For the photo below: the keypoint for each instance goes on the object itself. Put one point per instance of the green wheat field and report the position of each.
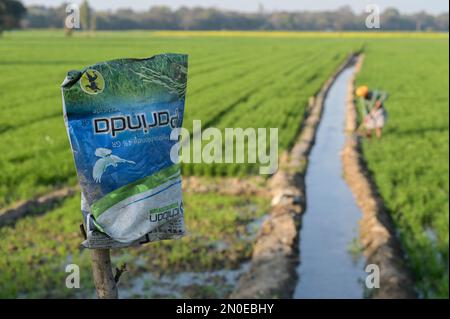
(235, 79)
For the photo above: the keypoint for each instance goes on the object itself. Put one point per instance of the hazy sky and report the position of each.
(431, 6)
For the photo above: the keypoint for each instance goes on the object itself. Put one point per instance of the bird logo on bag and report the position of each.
(92, 82)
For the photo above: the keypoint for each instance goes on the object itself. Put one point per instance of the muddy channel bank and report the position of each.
(272, 271)
(378, 237)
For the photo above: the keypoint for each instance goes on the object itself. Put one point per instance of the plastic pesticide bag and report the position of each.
(119, 116)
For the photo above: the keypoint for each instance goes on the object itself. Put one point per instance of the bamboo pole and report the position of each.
(105, 283)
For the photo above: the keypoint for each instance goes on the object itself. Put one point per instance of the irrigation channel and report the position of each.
(330, 263)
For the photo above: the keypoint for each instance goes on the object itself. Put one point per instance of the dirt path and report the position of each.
(255, 186)
(377, 233)
(272, 273)
(37, 206)
(252, 186)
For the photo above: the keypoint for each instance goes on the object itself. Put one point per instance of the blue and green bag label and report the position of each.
(119, 116)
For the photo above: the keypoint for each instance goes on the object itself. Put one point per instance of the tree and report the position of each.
(2, 12)
(344, 19)
(442, 21)
(11, 11)
(198, 18)
(93, 26)
(85, 15)
(261, 10)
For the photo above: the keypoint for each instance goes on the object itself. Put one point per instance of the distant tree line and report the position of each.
(164, 18)
(11, 12)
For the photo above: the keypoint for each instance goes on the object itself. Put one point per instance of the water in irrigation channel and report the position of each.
(330, 264)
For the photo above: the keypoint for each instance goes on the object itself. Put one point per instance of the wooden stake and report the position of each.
(105, 283)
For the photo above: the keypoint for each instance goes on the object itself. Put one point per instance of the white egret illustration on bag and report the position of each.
(106, 160)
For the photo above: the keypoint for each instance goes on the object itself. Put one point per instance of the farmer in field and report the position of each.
(374, 114)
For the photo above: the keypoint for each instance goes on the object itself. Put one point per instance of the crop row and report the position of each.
(237, 80)
(410, 164)
(36, 250)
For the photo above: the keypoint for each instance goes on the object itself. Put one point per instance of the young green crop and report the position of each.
(254, 80)
(410, 164)
(235, 82)
(35, 251)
